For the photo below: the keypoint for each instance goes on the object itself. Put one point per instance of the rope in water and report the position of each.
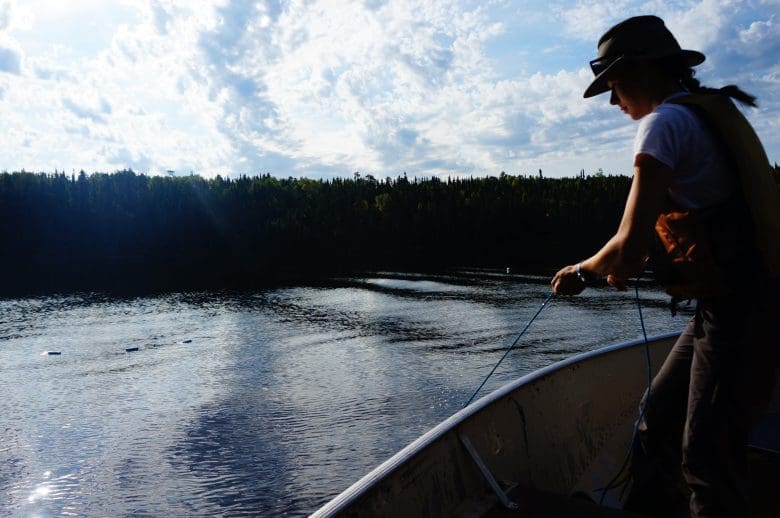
(550, 296)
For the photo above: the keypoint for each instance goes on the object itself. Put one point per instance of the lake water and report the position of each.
(266, 403)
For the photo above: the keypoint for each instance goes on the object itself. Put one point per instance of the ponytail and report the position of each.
(680, 71)
(692, 85)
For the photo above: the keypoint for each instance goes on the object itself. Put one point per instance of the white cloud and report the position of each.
(11, 53)
(10, 56)
(338, 83)
(328, 87)
(700, 26)
(589, 19)
(124, 106)
(760, 34)
(14, 16)
(5, 15)
(94, 114)
(696, 25)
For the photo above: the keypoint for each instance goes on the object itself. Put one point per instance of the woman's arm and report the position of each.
(623, 256)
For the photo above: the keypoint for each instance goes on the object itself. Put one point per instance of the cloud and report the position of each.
(11, 53)
(588, 20)
(759, 43)
(311, 88)
(5, 15)
(700, 26)
(161, 15)
(136, 95)
(96, 114)
(46, 73)
(10, 60)
(348, 85)
(696, 25)
(124, 158)
(14, 16)
(760, 32)
(81, 130)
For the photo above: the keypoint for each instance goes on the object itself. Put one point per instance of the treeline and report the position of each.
(131, 231)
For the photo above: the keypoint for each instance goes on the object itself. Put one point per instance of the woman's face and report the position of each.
(633, 86)
(629, 93)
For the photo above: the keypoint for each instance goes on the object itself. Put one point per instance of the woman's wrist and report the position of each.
(582, 274)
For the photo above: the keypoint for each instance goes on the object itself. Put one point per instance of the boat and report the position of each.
(546, 444)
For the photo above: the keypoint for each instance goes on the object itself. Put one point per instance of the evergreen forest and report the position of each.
(129, 232)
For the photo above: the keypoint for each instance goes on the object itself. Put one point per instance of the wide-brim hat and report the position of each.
(635, 39)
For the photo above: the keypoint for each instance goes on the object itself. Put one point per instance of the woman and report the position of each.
(702, 182)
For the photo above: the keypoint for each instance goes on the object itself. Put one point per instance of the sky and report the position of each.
(323, 89)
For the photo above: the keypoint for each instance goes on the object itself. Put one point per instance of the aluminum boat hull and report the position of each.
(563, 430)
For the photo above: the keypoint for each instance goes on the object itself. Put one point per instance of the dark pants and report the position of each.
(710, 392)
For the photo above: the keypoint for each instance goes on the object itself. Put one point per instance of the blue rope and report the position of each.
(550, 296)
(642, 412)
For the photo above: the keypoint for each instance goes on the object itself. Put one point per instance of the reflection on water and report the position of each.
(267, 403)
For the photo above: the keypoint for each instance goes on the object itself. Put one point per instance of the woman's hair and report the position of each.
(676, 68)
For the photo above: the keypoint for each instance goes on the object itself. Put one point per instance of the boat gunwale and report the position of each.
(361, 486)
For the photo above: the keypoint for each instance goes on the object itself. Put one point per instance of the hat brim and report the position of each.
(599, 83)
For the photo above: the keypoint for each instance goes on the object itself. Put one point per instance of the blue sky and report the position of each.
(325, 88)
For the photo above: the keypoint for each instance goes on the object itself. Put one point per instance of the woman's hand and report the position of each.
(567, 282)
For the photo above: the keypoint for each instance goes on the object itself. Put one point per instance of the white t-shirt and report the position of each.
(676, 137)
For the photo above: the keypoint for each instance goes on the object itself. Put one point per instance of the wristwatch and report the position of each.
(581, 275)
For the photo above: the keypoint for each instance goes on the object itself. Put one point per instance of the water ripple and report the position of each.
(267, 403)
